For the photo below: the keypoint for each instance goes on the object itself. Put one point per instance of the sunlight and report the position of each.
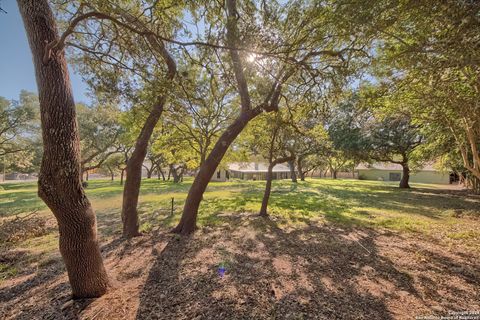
(252, 57)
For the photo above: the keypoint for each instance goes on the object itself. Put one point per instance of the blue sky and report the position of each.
(16, 67)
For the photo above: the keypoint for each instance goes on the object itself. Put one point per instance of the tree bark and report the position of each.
(300, 168)
(134, 172)
(59, 181)
(112, 174)
(266, 193)
(293, 174)
(268, 185)
(188, 221)
(134, 164)
(405, 176)
(160, 171)
(176, 176)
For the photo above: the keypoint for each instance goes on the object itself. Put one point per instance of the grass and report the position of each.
(428, 210)
(7, 271)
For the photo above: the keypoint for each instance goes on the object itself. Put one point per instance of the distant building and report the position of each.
(251, 171)
(221, 175)
(393, 172)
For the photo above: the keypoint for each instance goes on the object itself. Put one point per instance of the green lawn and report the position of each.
(429, 210)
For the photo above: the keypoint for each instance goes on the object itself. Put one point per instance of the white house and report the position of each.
(251, 171)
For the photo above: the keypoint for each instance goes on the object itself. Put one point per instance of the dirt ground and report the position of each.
(317, 272)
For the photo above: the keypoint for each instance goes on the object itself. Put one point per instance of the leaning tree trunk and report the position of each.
(134, 164)
(188, 221)
(59, 181)
(293, 174)
(266, 193)
(405, 176)
(134, 172)
(268, 185)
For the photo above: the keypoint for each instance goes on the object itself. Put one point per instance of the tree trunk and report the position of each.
(112, 174)
(59, 181)
(293, 174)
(188, 221)
(266, 193)
(475, 185)
(121, 177)
(86, 175)
(162, 173)
(169, 173)
(334, 174)
(134, 172)
(175, 174)
(134, 164)
(149, 174)
(300, 169)
(405, 176)
(268, 185)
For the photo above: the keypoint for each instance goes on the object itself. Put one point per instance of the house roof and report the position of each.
(387, 166)
(254, 167)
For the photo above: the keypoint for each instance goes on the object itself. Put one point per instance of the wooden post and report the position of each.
(172, 206)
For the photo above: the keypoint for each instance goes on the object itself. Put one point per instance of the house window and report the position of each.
(395, 176)
(218, 174)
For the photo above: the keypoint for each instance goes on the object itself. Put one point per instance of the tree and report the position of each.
(395, 139)
(259, 86)
(100, 131)
(187, 222)
(59, 183)
(336, 161)
(20, 136)
(428, 62)
(346, 131)
(120, 45)
(308, 140)
(269, 137)
(15, 119)
(115, 164)
(201, 109)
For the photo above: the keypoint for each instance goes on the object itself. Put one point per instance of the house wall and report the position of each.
(259, 175)
(219, 175)
(420, 176)
(430, 177)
